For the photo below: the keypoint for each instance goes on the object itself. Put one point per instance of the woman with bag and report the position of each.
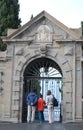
(49, 102)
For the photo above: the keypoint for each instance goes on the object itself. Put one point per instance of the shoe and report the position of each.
(32, 121)
(50, 122)
(28, 121)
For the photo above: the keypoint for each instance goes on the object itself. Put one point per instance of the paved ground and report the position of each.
(43, 126)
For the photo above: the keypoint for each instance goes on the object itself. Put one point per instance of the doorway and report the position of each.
(43, 74)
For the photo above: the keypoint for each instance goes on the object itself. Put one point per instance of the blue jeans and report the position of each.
(41, 116)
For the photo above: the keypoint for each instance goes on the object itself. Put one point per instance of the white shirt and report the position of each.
(49, 100)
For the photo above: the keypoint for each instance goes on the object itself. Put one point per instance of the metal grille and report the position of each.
(43, 67)
(39, 73)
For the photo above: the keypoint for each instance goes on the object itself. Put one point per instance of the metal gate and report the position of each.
(42, 85)
(43, 74)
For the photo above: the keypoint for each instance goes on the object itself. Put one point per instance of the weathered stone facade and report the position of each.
(43, 36)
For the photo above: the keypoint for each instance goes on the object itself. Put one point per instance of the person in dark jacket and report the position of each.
(32, 99)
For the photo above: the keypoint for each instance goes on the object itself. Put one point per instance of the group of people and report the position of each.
(38, 103)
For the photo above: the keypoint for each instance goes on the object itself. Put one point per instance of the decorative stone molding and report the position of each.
(3, 55)
(68, 51)
(43, 34)
(19, 52)
(43, 50)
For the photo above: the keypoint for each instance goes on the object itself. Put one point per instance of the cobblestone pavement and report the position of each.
(43, 126)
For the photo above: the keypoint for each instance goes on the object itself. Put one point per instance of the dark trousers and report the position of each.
(41, 116)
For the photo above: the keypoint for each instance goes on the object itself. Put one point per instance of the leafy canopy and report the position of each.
(9, 15)
(9, 18)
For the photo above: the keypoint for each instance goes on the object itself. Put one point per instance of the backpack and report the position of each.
(55, 102)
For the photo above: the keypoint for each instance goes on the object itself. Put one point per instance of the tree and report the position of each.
(31, 17)
(9, 15)
(82, 27)
(3, 45)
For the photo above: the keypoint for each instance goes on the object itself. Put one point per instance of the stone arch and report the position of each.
(67, 82)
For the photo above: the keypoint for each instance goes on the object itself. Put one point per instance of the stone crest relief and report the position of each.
(43, 50)
(43, 34)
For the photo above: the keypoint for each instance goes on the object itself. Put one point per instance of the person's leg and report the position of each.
(42, 116)
(39, 115)
(28, 113)
(50, 114)
(33, 113)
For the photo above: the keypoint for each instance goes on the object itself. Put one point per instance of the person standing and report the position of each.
(40, 107)
(32, 99)
(49, 102)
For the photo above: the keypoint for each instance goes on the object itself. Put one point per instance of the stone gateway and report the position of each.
(45, 54)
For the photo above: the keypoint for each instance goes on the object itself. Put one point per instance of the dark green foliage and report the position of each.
(9, 15)
(82, 27)
(3, 45)
(31, 17)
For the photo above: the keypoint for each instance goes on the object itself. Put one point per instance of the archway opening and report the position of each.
(43, 74)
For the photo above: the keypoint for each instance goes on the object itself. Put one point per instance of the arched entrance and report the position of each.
(43, 74)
